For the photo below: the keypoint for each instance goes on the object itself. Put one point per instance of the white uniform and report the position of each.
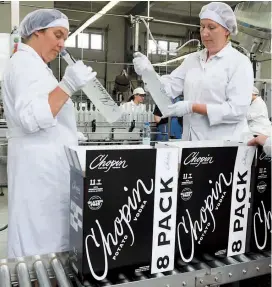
(38, 171)
(267, 146)
(224, 83)
(131, 106)
(257, 117)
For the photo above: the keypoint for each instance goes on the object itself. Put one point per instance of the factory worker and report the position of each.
(40, 118)
(217, 82)
(135, 101)
(264, 141)
(257, 115)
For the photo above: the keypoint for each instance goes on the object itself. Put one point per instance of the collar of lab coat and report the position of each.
(27, 48)
(220, 54)
(132, 102)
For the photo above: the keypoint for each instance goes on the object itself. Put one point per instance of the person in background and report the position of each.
(257, 115)
(1, 111)
(41, 121)
(163, 126)
(136, 100)
(264, 141)
(216, 82)
(121, 87)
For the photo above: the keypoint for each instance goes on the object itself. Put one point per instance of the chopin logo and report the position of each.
(194, 159)
(261, 186)
(102, 162)
(264, 156)
(95, 202)
(122, 228)
(186, 194)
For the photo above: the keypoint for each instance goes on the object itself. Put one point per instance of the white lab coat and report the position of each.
(38, 170)
(267, 146)
(257, 116)
(224, 83)
(132, 107)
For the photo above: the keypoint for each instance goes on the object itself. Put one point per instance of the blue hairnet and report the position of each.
(42, 19)
(222, 14)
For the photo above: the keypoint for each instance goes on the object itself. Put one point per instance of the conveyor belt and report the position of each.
(201, 272)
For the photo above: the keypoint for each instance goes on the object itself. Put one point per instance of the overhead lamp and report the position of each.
(95, 17)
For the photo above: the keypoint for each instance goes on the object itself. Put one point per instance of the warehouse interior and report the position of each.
(167, 33)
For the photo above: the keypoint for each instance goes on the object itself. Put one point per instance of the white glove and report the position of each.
(81, 137)
(179, 109)
(141, 63)
(76, 76)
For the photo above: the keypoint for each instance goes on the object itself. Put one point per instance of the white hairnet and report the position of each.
(220, 13)
(255, 91)
(42, 19)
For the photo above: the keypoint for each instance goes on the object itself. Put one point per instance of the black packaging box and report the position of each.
(213, 198)
(213, 201)
(123, 210)
(261, 219)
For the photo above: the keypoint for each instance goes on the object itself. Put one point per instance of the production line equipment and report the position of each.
(206, 271)
(128, 128)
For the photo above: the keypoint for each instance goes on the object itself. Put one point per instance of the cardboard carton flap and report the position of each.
(191, 144)
(77, 154)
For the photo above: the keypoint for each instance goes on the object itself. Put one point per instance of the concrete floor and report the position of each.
(3, 222)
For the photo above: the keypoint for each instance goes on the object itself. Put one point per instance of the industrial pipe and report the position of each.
(5, 276)
(41, 273)
(62, 279)
(23, 275)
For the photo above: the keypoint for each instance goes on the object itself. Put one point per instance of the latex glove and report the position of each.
(76, 76)
(141, 63)
(179, 109)
(81, 137)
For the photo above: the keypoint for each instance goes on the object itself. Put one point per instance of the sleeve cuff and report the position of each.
(267, 146)
(64, 87)
(214, 114)
(42, 113)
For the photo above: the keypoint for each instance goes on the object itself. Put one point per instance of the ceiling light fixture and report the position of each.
(95, 17)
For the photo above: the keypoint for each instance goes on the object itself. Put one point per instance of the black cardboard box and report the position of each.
(213, 201)
(261, 219)
(123, 210)
(213, 198)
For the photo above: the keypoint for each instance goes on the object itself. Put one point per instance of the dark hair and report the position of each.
(131, 98)
(26, 40)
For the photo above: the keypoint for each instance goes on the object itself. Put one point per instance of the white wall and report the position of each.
(5, 12)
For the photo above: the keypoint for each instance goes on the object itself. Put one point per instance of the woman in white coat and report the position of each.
(216, 82)
(257, 116)
(40, 119)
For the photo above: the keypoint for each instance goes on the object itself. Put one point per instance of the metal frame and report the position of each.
(201, 274)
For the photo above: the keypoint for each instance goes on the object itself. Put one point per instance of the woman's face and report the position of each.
(51, 42)
(213, 35)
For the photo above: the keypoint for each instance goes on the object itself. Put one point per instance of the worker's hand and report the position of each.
(141, 63)
(76, 76)
(259, 140)
(179, 109)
